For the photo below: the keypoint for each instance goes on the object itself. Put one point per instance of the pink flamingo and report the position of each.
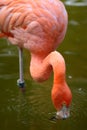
(40, 26)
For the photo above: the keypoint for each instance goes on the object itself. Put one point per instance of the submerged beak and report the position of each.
(64, 113)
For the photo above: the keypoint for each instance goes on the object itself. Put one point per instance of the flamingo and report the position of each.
(40, 26)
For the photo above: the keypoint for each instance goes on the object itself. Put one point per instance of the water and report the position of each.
(32, 110)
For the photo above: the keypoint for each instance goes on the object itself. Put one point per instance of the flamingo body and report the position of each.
(39, 26)
(46, 27)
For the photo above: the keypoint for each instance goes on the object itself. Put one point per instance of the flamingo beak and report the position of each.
(64, 113)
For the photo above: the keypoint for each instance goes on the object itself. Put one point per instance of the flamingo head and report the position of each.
(62, 98)
(63, 108)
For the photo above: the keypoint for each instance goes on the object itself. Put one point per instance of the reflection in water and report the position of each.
(32, 110)
(74, 23)
(76, 2)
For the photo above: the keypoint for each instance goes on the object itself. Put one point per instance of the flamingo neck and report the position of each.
(41, 67)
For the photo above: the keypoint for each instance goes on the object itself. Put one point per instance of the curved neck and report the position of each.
(42, 66)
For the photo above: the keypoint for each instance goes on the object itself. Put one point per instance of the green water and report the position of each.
(32, 110)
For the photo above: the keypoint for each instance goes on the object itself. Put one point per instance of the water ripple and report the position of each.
(8, 76)
(79, 104)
